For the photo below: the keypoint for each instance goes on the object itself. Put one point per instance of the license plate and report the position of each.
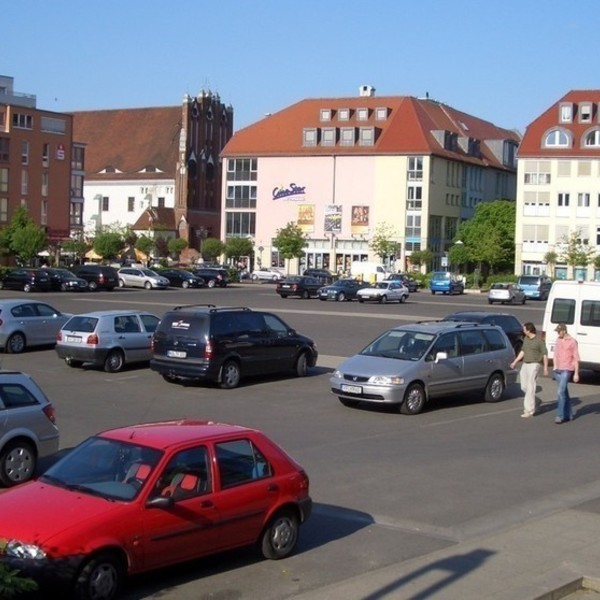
(286, 286)
(176, 354)
(73, 340)
(352, 389)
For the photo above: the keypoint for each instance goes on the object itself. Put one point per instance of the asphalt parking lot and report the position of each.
(387, 488)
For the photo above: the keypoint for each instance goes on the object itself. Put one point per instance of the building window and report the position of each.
(366, 136)
(537, 178)
(241, 196)
(161, 202)
(46, 155)
(328, 136)
(557, 138)
(76, 186)
(362, 114)
(76, 214)
(130, 204)
(44, 212)
(24, 152)
(583, 200)
(592, 138)
(4, 149)
(344, 114)
(77, 158)
(509, 154)
(21, 121)
(52, 125)
(240, 224)
(585, 112)
(24, 182)
(104, 203)
(242, 169)
(325, 114)
(310, 136)
(415, 168)
(381, 113)
(563, 199)
(44, 184)
(565, 114)
(413, 226)
(347, 136)
(3, 210)
(414, 197)
(3, 181)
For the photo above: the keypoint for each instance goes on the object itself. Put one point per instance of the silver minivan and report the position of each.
(107, 338)
(410, 364)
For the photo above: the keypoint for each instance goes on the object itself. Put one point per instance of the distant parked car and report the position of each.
(446, 283)
(384, 291)
(65, 280)
(342, 289)
(142, 278)
(25, 323)
(300, 286)
(269, 274)
(182, 278)
(214, 277)
(536, 287)
(506, 293)
(324, 276)
(99, 277)
(107, 338)
(406, 280)
(26, 280)
(27, 427)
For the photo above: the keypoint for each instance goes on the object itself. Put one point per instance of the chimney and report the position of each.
(367, 91)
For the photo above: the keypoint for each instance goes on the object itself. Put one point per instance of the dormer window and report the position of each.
(367, 136)
(565, 114)
(344, 114)
(592, 139)
(381, 113)
(347, 136)
(585, 112)
(309, 136)
(362, 114)
(557, 138)
(325, 114)
(328, 136)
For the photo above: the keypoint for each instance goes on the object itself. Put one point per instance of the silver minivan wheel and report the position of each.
(494, 388)
(414, 400)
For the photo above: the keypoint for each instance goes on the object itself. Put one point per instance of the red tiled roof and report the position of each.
(408, 129)
(156, 218)
(129, 140)
(532, 144)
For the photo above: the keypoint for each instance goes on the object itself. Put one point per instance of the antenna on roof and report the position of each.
(426, 95)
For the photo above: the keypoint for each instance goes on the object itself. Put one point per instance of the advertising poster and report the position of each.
(306, 217)
(333, 218)
(360, 219)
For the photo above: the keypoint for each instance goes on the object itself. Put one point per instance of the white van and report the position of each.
(577, 305)
(368, 271)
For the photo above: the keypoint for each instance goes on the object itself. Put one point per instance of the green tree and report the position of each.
(421, 257)
(176, 246)
(489, 237)
(383, 241)
(576, 251)
(108, 244)
(162, 246)
(235, 248)
(144, 244)
(551, 258)
(19, 220)
(28, 241)
(76, 247)
(212, 248)
(290, 241)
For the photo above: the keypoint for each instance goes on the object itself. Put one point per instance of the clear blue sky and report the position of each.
(503, 61)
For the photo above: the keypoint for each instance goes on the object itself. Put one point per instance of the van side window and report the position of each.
(495, 339)
(590, 313)
(472, 342)
(563, 311)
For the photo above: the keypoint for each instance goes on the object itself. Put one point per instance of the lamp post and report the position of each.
(98, 198)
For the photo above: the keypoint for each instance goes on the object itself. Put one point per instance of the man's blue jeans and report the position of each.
(563, 410)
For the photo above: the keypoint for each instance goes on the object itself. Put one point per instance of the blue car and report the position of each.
(446, 283)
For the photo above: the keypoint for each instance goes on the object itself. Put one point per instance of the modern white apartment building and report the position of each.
(558, 189)
(340, 167)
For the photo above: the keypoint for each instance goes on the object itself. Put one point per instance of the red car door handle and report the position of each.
(273, 488)
(207, 504)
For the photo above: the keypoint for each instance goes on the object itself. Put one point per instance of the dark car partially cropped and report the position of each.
(99, 277)
(27, 280)
(406, 280)
(324, 276)
(341, 290)
(507, 322)
(65, 280)
(299, 286)
(182, 278)
(214, 277)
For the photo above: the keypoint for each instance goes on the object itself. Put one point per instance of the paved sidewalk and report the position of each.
(542, 559)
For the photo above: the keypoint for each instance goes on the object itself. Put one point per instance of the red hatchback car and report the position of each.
(146, 496)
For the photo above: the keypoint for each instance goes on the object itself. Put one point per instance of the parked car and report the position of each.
(267, 274)
(26, 323)
(28, 428)
(107, 338)
(406, 280)
(99, 277)
(341, 290)
(142, 278)
(146, 496)
(506, 293)
(214, 277)
(324, 276)
(183, 278)
(446, 283)
(536, 287)
(26, 280)
(65, 280)
(300, 286)
(511, 326)
(223, 345)
(383, 291)
(411, 364)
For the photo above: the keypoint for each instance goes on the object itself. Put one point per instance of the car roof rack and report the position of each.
(211, 307)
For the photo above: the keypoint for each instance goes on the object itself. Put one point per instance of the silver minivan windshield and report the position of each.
(402, 345)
